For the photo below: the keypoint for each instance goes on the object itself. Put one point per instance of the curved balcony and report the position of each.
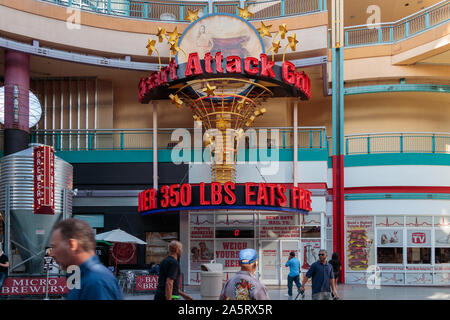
(392, 32)
(398, 142)
(177, 10)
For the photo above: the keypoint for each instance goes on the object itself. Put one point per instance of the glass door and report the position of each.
(269, 266)
(273, 257)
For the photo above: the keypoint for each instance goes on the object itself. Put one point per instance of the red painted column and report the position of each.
(17, 86)
(338, 211)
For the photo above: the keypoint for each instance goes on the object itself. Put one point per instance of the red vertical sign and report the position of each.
(44, 180)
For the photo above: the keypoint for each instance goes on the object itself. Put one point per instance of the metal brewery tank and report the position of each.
(32, 231)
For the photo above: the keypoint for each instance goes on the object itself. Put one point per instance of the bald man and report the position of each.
(169, 275)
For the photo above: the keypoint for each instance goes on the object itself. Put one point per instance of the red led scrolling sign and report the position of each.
(270, 196)
(44, 180)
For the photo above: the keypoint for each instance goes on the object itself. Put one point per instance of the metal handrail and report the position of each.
(141, 9)
(392, 32)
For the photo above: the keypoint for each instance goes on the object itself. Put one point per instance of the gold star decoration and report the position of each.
(176, 100)
(221, 124)
(244, 13)
(292, 42)
(174, 35)
(264, 30)
(209, 90)
(192, 15)
(151, 46)
(250, 121)
(174, 47)
(260, 112)
(282, 30)
(161, 34)
(276, 46)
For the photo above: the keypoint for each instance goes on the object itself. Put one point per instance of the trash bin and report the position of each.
(211, 280)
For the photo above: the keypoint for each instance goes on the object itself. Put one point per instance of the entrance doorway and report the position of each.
(273, 257)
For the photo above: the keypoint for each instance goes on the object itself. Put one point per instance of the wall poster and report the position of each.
(201, 252)
(227, 252)
(310, 252)
(359, 232)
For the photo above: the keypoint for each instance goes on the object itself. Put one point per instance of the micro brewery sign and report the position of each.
(263, 196)
(44, 180)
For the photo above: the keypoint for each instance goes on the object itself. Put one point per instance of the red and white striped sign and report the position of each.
(44, 180)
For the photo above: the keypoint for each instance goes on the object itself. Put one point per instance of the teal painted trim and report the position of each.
(387, 159)
(166, 155)
(106, 156)
(397, 88)
(398, 196)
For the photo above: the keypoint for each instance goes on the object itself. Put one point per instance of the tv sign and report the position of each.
(419, 238)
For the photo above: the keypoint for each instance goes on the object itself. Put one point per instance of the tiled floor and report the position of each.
(346, 292)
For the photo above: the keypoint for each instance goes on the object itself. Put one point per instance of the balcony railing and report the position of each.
(141, 139)
(177, 10)
(397, 143)
(308, 138)
(387, 33)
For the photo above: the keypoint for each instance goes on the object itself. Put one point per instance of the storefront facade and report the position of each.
(220, 235)
(402, 250)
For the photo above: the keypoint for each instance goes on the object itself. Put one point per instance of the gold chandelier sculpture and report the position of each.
(224, 111)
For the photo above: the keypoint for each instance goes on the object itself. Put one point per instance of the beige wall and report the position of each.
(382, 112)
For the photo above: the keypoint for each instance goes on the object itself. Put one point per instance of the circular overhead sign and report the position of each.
(228, 34)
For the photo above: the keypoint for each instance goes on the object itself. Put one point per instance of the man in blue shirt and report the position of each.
(322, 273)
(73, 245)
(294, 273)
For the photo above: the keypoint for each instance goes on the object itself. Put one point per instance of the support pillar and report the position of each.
(295, 116)
(338, 130)
(16, 107)
(155, 145)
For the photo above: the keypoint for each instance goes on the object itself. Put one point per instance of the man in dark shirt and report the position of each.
(4, 265)
(322, 275)
(169, 275)
(73, 245)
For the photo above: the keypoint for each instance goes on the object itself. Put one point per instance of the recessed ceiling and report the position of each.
(442, 59)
